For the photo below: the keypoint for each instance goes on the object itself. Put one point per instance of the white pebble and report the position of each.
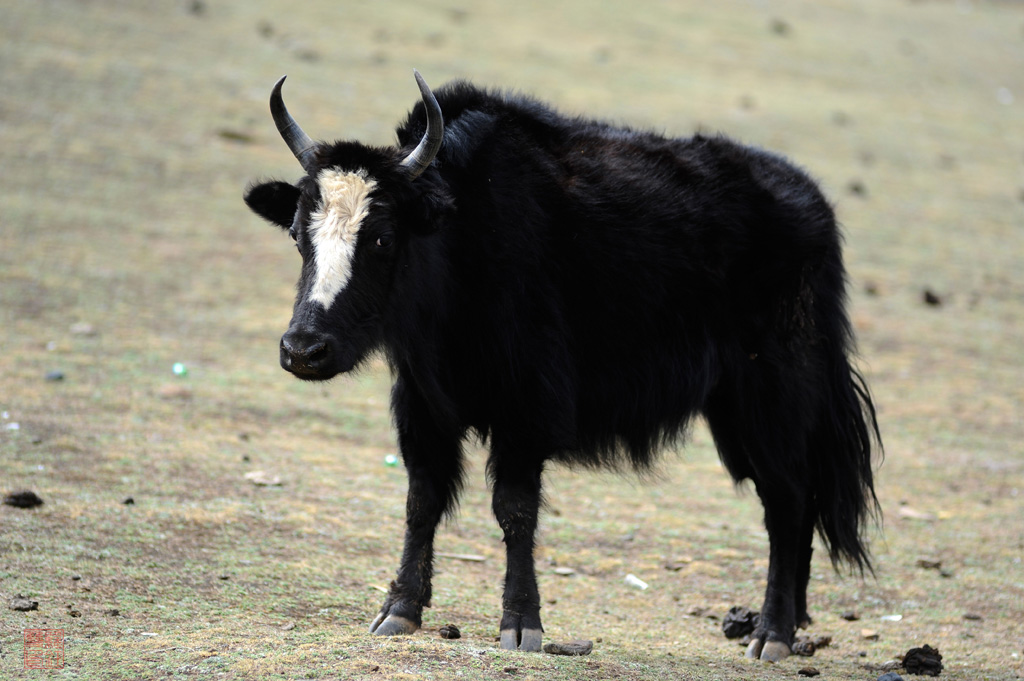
(635, 581)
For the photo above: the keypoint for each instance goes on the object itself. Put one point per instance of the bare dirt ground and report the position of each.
(128, 129)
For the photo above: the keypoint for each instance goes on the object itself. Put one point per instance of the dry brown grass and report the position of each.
(127, 131)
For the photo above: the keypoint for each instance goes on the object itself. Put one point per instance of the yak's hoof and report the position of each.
(392, 625)
(769, 651)
(528, 642)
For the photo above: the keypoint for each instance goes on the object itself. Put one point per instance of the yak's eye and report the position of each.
(384, 241)
(293, 234)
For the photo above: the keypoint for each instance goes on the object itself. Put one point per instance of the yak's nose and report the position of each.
(305, 354)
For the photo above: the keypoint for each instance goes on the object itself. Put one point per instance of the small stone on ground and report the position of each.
(263, 479)
(808, 645)
(739, 621)
(925, 660)
(931, 298)
(22, 604)
(570, 648)
(23, 499)
(450, 631)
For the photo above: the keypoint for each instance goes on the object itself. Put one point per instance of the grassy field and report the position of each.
(128, 129)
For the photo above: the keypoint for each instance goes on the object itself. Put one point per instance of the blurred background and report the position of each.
(128, 131)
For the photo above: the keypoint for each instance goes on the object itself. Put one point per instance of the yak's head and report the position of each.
(352, 217)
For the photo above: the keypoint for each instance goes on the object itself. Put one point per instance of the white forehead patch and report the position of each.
(333, 228)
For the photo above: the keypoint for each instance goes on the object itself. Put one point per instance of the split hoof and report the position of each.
(392, 625)
(528, 642)
(768, 651)
(531, 640)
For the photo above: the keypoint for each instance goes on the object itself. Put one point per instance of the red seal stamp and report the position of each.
(44, 649)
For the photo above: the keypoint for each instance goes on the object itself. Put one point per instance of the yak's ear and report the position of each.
(275, 202)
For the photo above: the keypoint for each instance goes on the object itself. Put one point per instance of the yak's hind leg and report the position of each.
(516, 503)
(803, 564)
(786, 516)
(762, 436)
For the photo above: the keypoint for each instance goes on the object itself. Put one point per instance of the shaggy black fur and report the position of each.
(577, 292)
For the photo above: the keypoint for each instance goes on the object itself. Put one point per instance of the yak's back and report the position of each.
(617, 268)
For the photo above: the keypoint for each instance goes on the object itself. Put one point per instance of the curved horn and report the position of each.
(427, 149)
(299, 142)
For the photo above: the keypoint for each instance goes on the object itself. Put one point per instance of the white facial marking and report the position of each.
(333, 227)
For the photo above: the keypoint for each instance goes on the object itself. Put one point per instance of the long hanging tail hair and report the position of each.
(846, 436)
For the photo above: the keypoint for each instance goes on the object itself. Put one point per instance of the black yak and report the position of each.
(576, 292)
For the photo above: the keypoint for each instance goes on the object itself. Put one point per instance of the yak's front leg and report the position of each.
(433, 461)
(516, 502)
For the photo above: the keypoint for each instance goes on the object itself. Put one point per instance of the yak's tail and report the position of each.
(844, 439)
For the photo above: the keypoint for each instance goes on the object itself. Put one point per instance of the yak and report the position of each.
(572, 291)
